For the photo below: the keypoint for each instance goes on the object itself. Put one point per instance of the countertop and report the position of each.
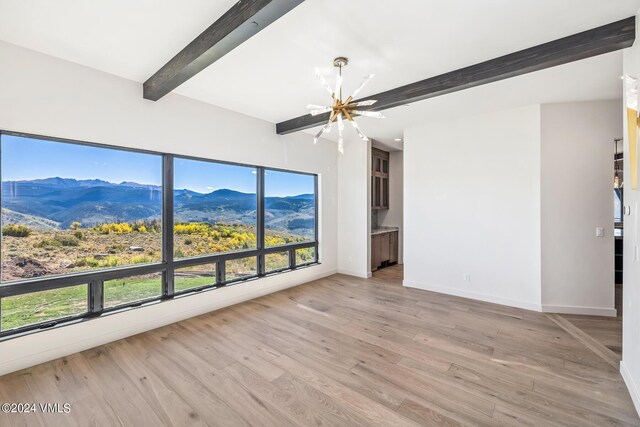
(381, 230)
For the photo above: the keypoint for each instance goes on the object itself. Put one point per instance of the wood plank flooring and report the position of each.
(606, 330)
(338, 351)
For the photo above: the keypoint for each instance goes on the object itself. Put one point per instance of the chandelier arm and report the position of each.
(325, 129)
(360, 133)
(364, 103)
(372, 114)
(348, 115)
(324, 83)
(364, 83)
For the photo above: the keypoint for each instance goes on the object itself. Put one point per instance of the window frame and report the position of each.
(95, 279)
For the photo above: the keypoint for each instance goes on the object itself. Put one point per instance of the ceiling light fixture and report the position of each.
(341, 110)
(398, 140)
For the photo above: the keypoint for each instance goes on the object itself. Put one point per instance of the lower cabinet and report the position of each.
(375, 252)
(384, 249)
(393, 248)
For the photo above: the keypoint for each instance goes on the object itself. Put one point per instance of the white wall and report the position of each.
(576, 190)
(393, 217)
(43, 95)
(472, 205)
(630, 366)
(513, 198)
(354, 216)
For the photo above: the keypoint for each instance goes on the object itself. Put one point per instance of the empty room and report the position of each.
(319, 213)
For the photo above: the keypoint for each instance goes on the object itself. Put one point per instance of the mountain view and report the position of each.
(57, 225)
(55, 203)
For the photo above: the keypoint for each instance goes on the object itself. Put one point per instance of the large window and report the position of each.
(214, 207)
(289, 208)
(69, 208)
(88, 229)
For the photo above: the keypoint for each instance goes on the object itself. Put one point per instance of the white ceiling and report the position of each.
(271, 75)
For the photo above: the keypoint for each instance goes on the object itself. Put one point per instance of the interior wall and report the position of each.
(393, 217)
(43, 95)
(576, 197)
(354, 213)
(472, 207)
(630, 365)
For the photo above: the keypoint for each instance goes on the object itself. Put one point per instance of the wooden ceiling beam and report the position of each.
(245, 19)
(597, 41)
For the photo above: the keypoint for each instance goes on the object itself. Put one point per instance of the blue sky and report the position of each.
(27, 158)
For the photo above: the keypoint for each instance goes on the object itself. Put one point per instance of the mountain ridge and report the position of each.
(91, 202)
(73, 182)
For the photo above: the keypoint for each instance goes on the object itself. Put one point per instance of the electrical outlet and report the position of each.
(467, 277)
(599, 231)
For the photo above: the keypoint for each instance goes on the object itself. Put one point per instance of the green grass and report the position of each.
(131, 289)
(184, 283)
(38, 307)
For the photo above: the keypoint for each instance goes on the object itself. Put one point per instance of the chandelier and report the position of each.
(340, 109)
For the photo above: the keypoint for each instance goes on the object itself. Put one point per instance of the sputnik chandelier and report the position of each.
(342, 109)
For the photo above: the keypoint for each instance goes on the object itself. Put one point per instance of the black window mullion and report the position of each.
(260, 220)
(168, 283)
(167, 225)
(96, 297)
(221, 272)
(292, 258)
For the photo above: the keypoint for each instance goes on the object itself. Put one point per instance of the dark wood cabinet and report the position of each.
(393, 247)
(384, 249)
(376, 191)
(375, 250)
(379, 179)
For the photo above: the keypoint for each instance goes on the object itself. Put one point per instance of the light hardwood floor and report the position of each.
(339, 351)
(606, 330)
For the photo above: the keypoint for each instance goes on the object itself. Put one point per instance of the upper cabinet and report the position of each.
(379, 179)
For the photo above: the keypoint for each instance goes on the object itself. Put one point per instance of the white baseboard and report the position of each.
(631, 386)
(473, 295)
(32, 349)
(353, 273)
(588, 311)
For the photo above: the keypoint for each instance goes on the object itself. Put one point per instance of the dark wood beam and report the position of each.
(245, 19)
(597, 41)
